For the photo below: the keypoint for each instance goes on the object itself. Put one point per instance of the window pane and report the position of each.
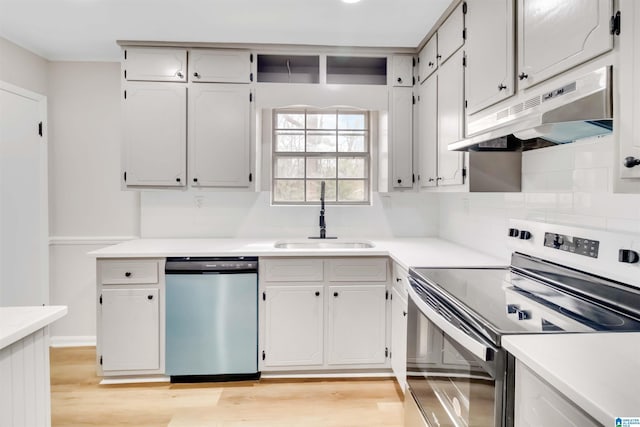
(290, 167)
(289, 141)
(321, 168)
(321, 121)
(289, 191)
(351, 191)
(313, 191)
(350, 167)
(321, 142)
(290, 121)
(352, 121)
(352, 142)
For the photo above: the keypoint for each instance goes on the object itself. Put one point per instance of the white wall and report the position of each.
(568, 184)
(23, 68)
(87, 208)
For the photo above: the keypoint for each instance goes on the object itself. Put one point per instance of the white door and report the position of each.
(490, 55)
(399, 338)
(220, 66)
(450, 119)
(428, 59)
(428, 131)
(450, 34)
(155, 134)
(356, 325)
(402, 136)
(293, 326)
(155, 64)
(554, 36)
(219, 135)
(24, 250)
(402, 74)
(130, 338)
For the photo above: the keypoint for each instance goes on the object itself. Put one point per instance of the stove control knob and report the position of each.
(512, 308)
(525, 235)
(514, 232)
(558, 241)
(628, 256)
(524, 314)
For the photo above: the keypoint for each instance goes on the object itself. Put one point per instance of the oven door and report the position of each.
(455, 376)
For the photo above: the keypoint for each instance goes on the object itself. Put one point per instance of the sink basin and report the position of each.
(323, 244)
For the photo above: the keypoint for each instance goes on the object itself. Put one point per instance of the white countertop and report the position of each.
(18, 322)
(599, 372)
(408, 252)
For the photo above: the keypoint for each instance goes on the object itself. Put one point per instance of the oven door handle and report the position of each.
(482, 350)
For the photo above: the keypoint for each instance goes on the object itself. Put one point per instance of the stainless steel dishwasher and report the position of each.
(211, 319)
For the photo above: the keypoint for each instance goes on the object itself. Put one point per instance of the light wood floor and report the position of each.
(78, 400)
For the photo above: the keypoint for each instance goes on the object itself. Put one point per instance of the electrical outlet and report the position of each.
(199, 200)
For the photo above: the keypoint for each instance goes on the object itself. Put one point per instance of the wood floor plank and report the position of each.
(77, 399)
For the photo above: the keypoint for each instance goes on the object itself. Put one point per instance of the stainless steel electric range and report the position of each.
(561, 280)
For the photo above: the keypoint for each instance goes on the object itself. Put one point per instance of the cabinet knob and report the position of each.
(195, 179)
(501, 87)
(177, 179)
(431, 180)
(179, 74)
(149, 297)
(431, 64)
(399, 79)
(399, 181)
(523, 76)
(439, 178)
(404, 313)
(335, 294)
(398, 279)
(127, 274)
(630, 162)
(317, 293)
(438, 56)
(196, 75)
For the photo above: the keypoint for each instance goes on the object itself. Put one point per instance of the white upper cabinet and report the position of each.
(554, 36)
(428, 59)
(155, 64)
(450, 120)
(155, 134)
(489, 48)
(219, 135)
(451, 34)
(402, 74)
(428, 132)
(220, 66)
(402, 137)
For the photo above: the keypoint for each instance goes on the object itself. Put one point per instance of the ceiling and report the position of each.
(87, 30)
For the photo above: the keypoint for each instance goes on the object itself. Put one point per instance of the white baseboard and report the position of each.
(268, 375)
(72, 341)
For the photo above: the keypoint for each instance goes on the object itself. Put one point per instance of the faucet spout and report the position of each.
(323, 224)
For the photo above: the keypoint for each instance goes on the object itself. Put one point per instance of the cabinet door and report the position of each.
(155, 134)
(155, 64)
(490, 55)
(293, 326)
(450, 34)
(402, 74)
(399, 338)
(220, 66)
(402, 137)
(219, 135)
(130, 323)
(554, 36)
(356, 325)
(427, 59)
(450, 120)
(428, 131)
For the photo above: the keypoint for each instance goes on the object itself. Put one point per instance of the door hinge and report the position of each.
(100, 299)
(125, 74)
(125, 54)
(250, 97)
(125, 94)
(464, 61)
(466, 104)
(251, 58)
(264, 298)
(414, 61)
(264, 355)
(464, 34)
(464, 8)
(386, 294)
(250, 177)
(251, 77)
(40, 128)
(464, 173)
(101, 360)
(125, 176)
(414, 80)
(413, 99)
(413, 178)
(614, 24)
(386, 352)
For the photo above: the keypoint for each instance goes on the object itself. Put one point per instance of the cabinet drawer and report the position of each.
(220, 66)
(292, 270)
(128, 271)
(357, 270)
(400, 280)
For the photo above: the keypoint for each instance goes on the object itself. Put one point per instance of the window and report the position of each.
(311, 146)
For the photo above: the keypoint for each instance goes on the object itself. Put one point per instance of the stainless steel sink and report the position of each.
(323, 244)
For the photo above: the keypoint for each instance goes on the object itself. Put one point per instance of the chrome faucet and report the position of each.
(323, 224)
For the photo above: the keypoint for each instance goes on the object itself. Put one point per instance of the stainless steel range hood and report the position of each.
(564, 113)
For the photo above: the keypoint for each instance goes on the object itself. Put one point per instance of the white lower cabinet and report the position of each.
(333, 319)
(539, 404)
(293, 325)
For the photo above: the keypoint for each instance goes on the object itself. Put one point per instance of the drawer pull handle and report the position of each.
(398, 279)
(149, 297)
(127, 274)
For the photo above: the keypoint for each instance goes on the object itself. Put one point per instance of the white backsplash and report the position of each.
(567, 184)
(247, 214)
